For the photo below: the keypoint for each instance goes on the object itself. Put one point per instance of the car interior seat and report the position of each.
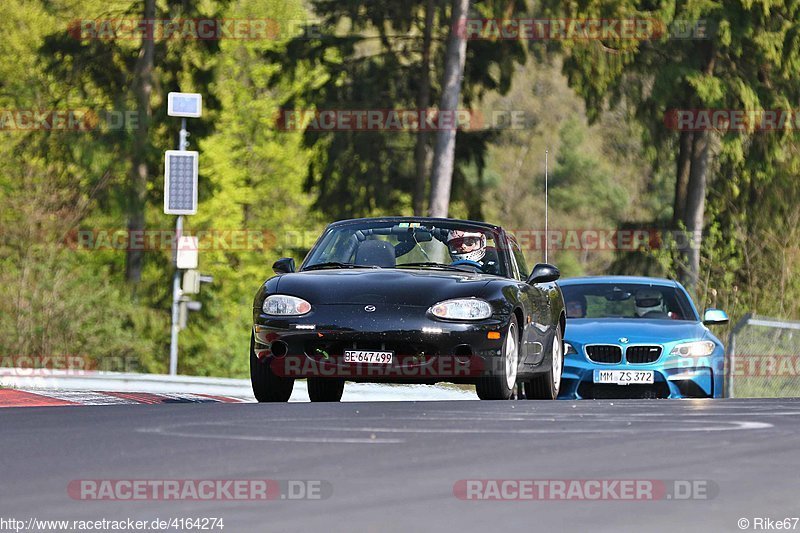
(376, 253)
(491, 261)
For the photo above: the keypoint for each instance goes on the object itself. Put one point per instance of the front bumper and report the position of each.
(674, 377)
(426, 349)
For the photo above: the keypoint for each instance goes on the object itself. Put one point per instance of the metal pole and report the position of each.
(546, 237)
(728, 391)
(730, 363)
(176, 277)
(182, 144)
(176, 297)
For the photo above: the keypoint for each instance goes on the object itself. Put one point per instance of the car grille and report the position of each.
(642, 354)
(604, 353)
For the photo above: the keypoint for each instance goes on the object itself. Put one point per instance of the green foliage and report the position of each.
(60, 301)
(376, 64)
(255, 174)
(68, 300)
(741, 65)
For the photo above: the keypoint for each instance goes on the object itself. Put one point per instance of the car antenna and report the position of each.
(546, 240)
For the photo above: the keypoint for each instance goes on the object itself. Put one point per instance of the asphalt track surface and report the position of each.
(392, 466)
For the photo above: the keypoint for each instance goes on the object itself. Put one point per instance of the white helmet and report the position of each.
(648, 301)
(475, 241)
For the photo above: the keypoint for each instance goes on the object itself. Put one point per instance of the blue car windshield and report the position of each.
(627, 300)
(408, 244)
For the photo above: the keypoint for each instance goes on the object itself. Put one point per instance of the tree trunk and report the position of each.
(698, 179)
(684, 165)
(696, 203)
(682, 177)
(142, 89)
(422, 150)
(444, 154)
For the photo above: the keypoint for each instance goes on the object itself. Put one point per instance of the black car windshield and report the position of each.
(421, 244)
(626, 300)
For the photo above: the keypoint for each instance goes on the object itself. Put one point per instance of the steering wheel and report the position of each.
(467, 262)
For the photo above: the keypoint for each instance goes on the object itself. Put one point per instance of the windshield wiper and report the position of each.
(434, 265)
(336, 264)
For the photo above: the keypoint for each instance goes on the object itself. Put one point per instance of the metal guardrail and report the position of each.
(753, 344)
(28, 378)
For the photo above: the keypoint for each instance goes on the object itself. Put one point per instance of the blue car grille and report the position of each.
(604, 353)
(642, 354)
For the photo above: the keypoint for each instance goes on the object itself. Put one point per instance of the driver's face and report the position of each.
(463, 245)
(575, 309)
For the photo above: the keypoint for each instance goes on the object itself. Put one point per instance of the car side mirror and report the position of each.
(543, 273)
(715, 316)
(285, 265)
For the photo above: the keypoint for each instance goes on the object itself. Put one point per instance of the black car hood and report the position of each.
(371, 286)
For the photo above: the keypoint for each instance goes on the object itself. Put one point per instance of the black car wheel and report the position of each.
(500, 384)
(545, 386)
(325, 389)
(267, 387)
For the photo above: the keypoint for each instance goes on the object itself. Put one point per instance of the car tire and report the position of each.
(546, 386)
(267, 386)
(500, 385)
(325, 389)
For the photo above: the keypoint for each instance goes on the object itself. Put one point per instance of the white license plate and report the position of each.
(367, 356)
(623, 377)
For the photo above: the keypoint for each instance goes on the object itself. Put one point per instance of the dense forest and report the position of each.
(84, 127)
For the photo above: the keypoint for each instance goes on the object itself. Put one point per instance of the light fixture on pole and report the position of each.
(180, 198)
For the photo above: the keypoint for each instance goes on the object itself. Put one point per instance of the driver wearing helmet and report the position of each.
(469, 247)
(649, 303)
(576, 306)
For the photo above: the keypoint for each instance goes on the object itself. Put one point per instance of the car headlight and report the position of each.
(285, 305)
(694, 349)
(462, 309)
(569, 349)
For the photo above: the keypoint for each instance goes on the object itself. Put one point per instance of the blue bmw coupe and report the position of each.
(637, 337)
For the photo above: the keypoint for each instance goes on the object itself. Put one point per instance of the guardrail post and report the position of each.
(730, 359)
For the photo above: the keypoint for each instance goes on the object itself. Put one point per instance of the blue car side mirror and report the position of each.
(715, 316)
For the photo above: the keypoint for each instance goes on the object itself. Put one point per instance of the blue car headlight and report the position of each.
(694, 349)
(569, 349)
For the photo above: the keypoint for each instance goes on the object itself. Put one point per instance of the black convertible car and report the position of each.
(409, 300)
